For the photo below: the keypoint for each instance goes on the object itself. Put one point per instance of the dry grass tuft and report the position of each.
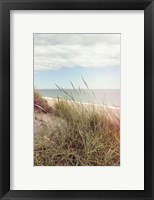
(87, 136)
(39, 103)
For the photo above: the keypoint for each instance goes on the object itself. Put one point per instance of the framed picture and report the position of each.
(76, 99)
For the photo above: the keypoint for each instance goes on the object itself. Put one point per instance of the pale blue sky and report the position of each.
(97, 78)
(61, 58)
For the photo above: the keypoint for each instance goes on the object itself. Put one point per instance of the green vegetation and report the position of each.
(41, 104)
(83, 136)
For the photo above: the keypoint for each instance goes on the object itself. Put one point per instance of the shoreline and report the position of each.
(49, 99)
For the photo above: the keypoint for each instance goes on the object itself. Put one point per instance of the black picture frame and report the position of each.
(5, 7)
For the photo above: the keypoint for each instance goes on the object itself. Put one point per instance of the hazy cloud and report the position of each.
(53, 51)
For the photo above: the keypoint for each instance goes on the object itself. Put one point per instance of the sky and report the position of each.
(61, 58)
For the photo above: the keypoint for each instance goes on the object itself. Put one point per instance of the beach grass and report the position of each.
(39, 103)
(81, 135)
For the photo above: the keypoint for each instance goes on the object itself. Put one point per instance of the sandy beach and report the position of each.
(111, 111)
(77, 96)
(52, 100)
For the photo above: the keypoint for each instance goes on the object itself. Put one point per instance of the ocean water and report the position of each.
(106, 97)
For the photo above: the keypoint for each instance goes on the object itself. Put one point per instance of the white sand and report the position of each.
(52, 100)
(112, 112)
